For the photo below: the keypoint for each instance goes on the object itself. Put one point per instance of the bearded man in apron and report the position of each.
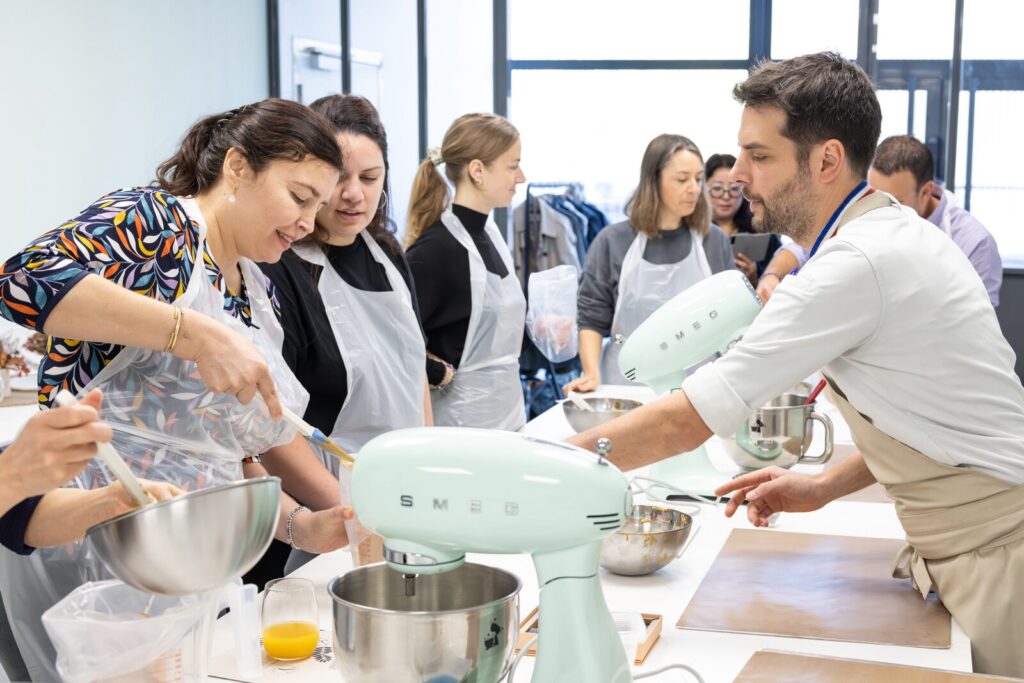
(899, 322)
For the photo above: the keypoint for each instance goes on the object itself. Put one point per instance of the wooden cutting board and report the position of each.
(770, 666)
(814, 586)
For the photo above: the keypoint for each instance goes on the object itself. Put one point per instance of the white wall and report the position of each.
(95, 93)
(388, 27)
(460, 62)
(318, 20)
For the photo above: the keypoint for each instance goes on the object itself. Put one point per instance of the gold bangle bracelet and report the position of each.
(178, 315)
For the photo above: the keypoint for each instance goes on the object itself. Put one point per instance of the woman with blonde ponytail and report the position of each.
(471, 305)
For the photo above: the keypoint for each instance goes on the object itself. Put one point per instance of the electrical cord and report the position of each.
(518, 658)
(693, 672)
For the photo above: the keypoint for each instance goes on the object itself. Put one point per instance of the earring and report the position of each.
(479, 181)
(231, 197)
(383, 201)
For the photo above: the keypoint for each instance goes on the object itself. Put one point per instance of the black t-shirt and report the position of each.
(309, 345)
(440, 269)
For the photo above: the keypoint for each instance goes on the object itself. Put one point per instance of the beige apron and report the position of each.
(965, 531)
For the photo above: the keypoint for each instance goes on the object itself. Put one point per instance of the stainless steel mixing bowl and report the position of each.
(605, 409)
(193, 543)
(458, 626)
(651, 538)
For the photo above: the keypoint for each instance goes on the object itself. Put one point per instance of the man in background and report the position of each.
(903, 167)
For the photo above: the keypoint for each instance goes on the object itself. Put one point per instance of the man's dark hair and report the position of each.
(824, 97)
(905, 153)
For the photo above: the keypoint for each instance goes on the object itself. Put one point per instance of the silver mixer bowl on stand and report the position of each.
(457, 626)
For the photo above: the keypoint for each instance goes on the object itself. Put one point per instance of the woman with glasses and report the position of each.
(731, 212)
(633, 267)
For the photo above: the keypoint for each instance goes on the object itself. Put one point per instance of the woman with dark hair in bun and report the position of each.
(152, 295)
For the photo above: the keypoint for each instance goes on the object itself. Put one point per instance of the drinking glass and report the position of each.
(291, 623)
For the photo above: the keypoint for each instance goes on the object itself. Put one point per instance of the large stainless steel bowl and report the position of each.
(457, 626)
(193, 543)
(605, 409)
(651, 538)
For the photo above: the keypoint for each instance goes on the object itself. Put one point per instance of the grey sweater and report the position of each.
(599, 288)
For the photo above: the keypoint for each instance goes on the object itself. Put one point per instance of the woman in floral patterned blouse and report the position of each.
(243, 186)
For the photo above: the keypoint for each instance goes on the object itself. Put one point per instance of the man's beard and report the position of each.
(790, 212)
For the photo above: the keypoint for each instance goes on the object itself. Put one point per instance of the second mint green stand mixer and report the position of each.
(436, 493)
(700, 322)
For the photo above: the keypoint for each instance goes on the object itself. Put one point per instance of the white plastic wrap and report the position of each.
(109, 630)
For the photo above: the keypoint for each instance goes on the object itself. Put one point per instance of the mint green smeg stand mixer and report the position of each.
(699, 323)
(436, 493)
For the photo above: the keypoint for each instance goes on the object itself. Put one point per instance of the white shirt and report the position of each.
(894, 312)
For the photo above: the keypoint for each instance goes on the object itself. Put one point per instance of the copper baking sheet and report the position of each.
(814, 586)
(770, 666)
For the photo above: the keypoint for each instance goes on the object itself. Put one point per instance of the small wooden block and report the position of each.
(528, 628)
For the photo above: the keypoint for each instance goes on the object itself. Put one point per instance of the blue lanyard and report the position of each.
(835, 217)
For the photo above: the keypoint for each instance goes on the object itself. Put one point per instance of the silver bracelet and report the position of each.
(288, 525)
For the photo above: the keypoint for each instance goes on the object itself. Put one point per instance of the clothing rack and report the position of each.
(533, 218)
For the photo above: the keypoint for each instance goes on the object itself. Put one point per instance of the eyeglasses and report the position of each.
(719, 191)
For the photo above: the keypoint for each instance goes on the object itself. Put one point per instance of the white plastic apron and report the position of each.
(643, 288)
(381, 346)
(168, 427)
(486, 391)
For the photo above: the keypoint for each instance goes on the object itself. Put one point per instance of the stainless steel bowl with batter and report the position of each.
(192, 543)
(650, 539)
(605, 409)
(459, 625)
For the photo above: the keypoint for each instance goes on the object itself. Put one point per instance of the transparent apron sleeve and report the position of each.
(551, 316)
(167, 448)
(162, 395)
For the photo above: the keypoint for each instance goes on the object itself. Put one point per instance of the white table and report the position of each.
(11, 420)
(718, 656)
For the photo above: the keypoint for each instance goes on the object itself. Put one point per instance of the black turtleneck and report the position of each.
(440, 269)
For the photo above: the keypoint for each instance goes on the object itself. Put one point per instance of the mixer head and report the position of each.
(704, 319)
(435, 493)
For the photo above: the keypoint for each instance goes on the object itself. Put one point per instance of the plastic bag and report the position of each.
(551, 316)
(108, 629)
(366, 547)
